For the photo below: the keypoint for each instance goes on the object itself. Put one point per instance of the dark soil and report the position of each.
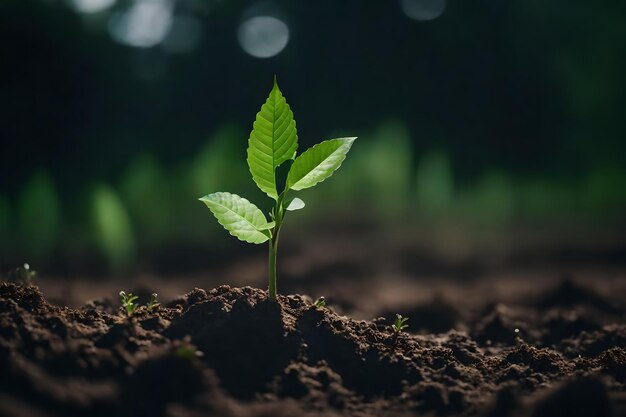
(232, 352)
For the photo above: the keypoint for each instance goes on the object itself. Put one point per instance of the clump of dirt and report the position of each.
(232, 352)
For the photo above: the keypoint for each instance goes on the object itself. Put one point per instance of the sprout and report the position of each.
(321, 302)
(22, 274)
(277, 170)
(400, 324)
(153, 303)
(128, 302)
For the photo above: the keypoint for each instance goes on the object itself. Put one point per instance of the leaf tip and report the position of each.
(350, 141)
(275, 85)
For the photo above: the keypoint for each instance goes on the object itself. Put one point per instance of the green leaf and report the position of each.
(294, 204)
(318, 163)
(273, 140)
(240, 217)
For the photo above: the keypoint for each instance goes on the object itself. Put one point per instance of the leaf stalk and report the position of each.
(278, 215)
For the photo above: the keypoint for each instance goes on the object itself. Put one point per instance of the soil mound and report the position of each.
(232, 352)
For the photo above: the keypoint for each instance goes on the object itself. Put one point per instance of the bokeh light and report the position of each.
(263, 36)
(91, 6)
(184, 35)
(145, 24)
(423, 9)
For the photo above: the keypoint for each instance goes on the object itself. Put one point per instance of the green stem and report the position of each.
(279, 214)
(272, 270)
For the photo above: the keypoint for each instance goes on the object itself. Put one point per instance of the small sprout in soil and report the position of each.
(400, 324)
(188, 352)
(22, 274)
(128, 302)
(321, 302)
(153, 303)
(277, 170)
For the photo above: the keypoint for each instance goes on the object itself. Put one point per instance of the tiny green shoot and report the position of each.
(277, 170)
(321, 302)
(400, 324)
(153, 303)
(187, 352)
(129, 302)
(22, 274)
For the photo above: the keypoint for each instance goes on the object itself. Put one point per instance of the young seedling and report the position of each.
(128, 302)
(153, 303)
(400, 324)
(321, 302)
(22, 274)
(188, 352)
(277, 171)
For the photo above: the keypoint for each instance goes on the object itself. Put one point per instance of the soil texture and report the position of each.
(232, 352)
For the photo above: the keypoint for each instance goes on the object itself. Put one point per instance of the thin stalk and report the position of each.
(273, 242)
(272, 270)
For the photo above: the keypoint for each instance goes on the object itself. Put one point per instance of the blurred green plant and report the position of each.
(39, 216)
(112, 227)
(144, 190)
(388, 149)
(272, 160)
(219, 162)
(604, 188)
(542, 199)
(22, 274)
(390, 152)
(137, 215)
(434, 183)
(490, 200)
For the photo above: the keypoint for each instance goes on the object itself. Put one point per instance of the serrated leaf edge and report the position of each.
(349, 140)
(274, 191)
(263, 230)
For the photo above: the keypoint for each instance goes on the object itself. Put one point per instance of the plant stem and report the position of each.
(278, 216)
(272, 269)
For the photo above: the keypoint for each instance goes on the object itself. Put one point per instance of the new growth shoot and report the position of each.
(129, 302)
(278, 171)
(320, 302)
(153, 303)
(400, 324)
(22, 274)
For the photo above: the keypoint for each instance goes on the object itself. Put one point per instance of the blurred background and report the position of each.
(489, 132)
